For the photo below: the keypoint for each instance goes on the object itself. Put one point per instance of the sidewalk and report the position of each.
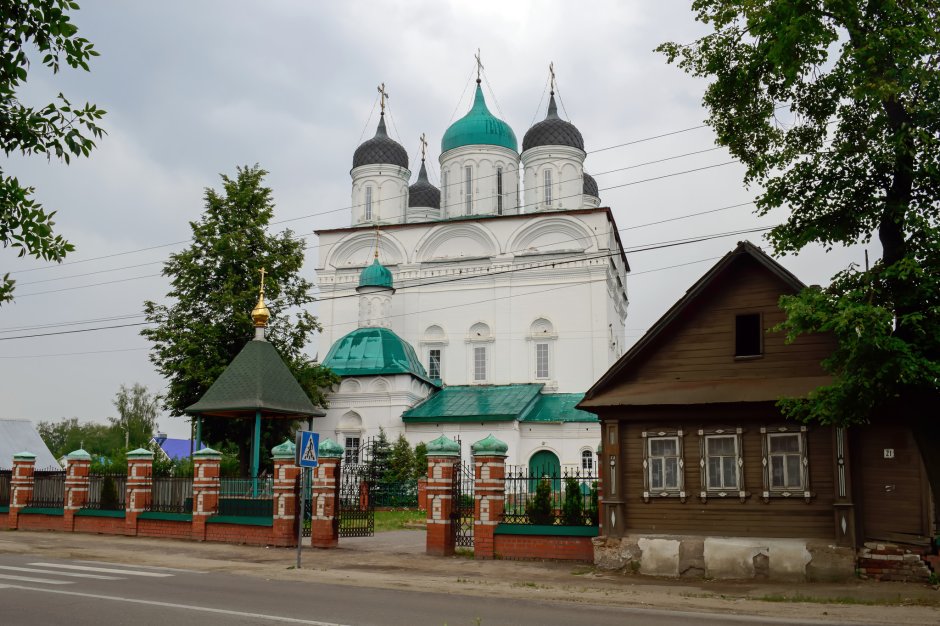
(396, 560)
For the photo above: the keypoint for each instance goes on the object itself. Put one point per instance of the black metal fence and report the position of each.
(48, 489)
(6, 477)
(172, 494)
(395, 494)
(565, 498)
(106, 492)
(246, 497)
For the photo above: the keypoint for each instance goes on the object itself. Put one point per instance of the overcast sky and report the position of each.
(194, 89)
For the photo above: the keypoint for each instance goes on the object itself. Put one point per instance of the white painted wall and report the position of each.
(389, 185)
(484, 162)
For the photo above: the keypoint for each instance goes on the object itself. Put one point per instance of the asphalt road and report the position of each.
(37, 590)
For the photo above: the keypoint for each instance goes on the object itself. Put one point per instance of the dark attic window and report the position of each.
(747, 335)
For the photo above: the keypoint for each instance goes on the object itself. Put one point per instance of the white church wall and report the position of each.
(567, 440)
(484, 161)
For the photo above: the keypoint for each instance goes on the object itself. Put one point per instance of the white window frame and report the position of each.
(440, 362)
(787, 491)
(499, 190)
(677, 491)
(547, 187)
(368, 203)
(587, 461)
(348, 457)
(475, 351)
(468, 189)
(547, 373)
(725, 491)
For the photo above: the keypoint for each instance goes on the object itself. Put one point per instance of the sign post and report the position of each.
(306, 456)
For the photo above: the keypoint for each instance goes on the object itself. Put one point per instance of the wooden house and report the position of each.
(704, 476)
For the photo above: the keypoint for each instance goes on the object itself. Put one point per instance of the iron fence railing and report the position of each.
(556, 497)
(172, 494)
(246, 497)
(395, 494)
(6, 477)
(106, 492)
(48, 489)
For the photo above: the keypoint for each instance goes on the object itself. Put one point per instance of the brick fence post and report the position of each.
(423, 494)
(443, 455)
(206, 466)
(284, 529)
(76, 486)
(489, 488)
(139, 487)
(324, 524)
(21, 484)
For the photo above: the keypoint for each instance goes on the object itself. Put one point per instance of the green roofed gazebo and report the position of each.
(257, 383)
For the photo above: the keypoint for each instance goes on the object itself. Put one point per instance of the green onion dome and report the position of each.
(376, 275)
(479, 127)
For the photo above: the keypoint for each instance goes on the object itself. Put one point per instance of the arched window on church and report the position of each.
(499, 191)
(468, 189)
(548, 187)
(368, 204)
(479, 338)
(542, 336)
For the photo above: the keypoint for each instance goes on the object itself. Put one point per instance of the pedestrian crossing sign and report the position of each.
(307, 447)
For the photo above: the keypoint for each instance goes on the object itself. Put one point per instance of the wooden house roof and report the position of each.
(605, 391)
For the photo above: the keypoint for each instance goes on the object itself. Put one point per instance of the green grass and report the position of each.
(899, 601)
(396, 520)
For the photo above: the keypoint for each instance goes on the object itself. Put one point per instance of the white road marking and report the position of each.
(105, 570)
(163, 569)
(188, 607)
(27, 579)
(45, 571)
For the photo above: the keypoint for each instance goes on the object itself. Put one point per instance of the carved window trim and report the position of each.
(677, 492)
(706, 492)
(804, 491)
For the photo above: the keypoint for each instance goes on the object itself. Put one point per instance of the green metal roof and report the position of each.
(257, 379)
(374, 351)
(375, 275)
(476, 403)
(479, 126)
(559, 407)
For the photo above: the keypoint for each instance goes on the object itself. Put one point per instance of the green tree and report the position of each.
(856, 155)
(572, 508)
(38, 30)
(68, 434)
(214, 288)
(421, 460)
(137, 415)
(401, 460)
(539, 508)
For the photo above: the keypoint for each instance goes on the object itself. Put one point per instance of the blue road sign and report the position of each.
(307, 445)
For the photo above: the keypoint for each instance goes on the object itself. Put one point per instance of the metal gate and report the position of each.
(462, 514)
(355, 491)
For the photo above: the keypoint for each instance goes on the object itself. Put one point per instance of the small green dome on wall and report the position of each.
(376, 275)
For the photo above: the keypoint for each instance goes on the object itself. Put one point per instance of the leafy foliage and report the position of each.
(857, 153)
(572, 509)
(214, 288)
(421, 460)
(593, 510)
(137, 414)
(109, 494)
(401, 465)
(59, 129)
(539, 508)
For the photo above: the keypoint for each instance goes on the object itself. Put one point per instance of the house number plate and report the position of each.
(889, 453)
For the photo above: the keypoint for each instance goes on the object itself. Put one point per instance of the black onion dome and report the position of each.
(423, 193)
(590, 186)
(380, 149)
(553, 131)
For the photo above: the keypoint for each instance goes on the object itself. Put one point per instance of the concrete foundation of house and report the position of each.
(739, 558)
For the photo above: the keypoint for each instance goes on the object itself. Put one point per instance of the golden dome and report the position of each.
(260, 314)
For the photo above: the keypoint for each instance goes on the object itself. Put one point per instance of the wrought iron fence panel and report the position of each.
(106, 492)
(356, 492)
(566, 497)
(172, 494)
(6, 478)
(396, 494)
(48, 489)
(462, 512)
(246, 497)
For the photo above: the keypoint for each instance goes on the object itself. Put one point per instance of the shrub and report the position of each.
(593, 510)
(572, 509)
(109, 494)
(539, 508)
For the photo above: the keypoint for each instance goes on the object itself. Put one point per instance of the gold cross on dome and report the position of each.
(479, 64)
(383, 96)
(551, 71)
(262, 281)
(424, 145)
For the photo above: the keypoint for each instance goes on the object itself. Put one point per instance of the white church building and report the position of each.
(465, 311)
